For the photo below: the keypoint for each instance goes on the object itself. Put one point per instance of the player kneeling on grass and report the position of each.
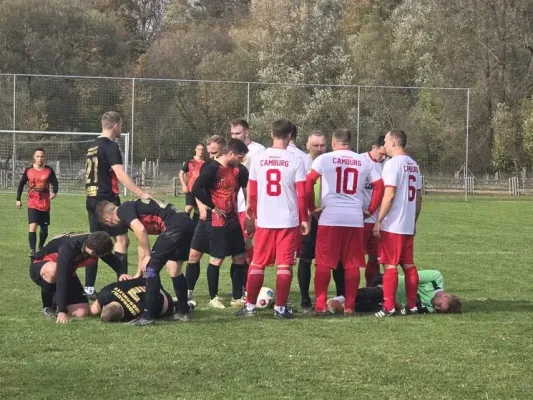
(53, 268)
(175, 230)
(431, 296)
(124, 301)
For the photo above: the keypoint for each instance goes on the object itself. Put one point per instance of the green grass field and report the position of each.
(483, 249)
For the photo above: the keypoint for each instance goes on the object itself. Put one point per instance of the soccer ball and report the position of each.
(265, 298)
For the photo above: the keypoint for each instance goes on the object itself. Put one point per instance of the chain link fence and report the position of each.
(166, 118)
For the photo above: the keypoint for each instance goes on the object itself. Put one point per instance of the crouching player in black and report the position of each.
(54, 267)
(175, 230)
(124, 301)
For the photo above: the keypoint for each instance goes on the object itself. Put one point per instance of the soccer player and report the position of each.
(103, 172)
(39, 177)
(316, 145)
(376, 156)
(241, 130)
(175, 229)
(124, 302)
(344, 175)
(396, 222)
(191, 170)
(54, 267)
(292, 148)
(221, 235)
(431, 296)
(276, 198)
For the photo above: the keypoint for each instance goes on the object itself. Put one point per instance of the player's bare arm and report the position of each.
(144, 245)
(386, 204)
(418, 204)
(95, 308)
(183, 182)
(124, 178)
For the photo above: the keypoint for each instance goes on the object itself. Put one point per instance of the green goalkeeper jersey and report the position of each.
(317, 192)
(430, 282)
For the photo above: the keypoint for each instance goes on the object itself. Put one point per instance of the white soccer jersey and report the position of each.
(344, 176)
(276, 172)
(253, 149)
(378, 166)
(403, 173)
(306, 159)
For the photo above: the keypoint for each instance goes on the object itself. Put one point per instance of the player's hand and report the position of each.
(249, 212)
(52, 196)
(19, 204)
(137, 275)
(317, 212)
(125, 277)
(376, 230)
(249, 226)
(219, 212)
(62, 318)
(145, 196)
(367, 214)
(144, 263)
(305, 228)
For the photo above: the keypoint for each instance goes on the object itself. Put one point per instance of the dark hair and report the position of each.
(455, 306)
(100, 243)
(110, 118)
(38, 149)
(380, 141)
(400, 136)
(343, 136)
(240, 121)
(294, 132)
(112, 312)
(282, 128)
(236, 146)
(103, 209)
(199, 144)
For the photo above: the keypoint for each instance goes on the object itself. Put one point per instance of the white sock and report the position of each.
(250, 307)
(280, 309)
(189, 294)
(89, 290)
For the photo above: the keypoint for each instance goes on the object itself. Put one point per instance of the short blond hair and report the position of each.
(110, 118)
(112, 312)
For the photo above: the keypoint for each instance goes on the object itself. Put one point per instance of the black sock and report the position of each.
(213, 273)
(304, 279)
(245, 276)
(338, 277)
(123, 258)
(90, 274)
(180, 287)
(43, 235)
(192, 273)
(237, 279)
(32, 238)
(47, 299)
(152, 289)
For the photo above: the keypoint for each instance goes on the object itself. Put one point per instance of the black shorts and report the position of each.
(75, 292)
(160, 303)
(190, 200)
(94, 226)
(225, 241)
(174, 244)
(38, 217)
(309, 242)
(200, 239)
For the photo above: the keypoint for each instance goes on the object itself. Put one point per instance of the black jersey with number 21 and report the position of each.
(100, 179)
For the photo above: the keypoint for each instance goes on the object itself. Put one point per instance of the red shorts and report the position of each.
(371, 242)
(395, 248)
(340, 243)
(276, 246)
(242, 220)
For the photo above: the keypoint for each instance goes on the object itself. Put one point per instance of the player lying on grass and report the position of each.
(431, 296)
(175, 230)
(54, 267)
(124, 302)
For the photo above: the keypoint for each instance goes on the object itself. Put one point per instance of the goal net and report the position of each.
(65, 153)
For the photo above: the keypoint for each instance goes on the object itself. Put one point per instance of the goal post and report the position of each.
(65, 153)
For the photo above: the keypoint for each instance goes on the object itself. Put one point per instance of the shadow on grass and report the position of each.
(489, 305)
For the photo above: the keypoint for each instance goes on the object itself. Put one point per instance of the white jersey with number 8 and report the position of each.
(403, 173)
(344, 176)
(276, 172)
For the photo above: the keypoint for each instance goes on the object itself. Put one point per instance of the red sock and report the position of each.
(351, 286)
(322, 278)
(283, 286)
(390, 285)
(411, 286)
(256, 276)
(371, 271)
(249, 255)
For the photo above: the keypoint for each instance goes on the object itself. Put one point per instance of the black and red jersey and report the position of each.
(100, 179)
(218, 186)
(155, 216)
(39, 181)
(68, 253)
(192, 169)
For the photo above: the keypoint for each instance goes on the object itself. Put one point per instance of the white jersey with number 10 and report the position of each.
(276, 172)
(344, 176)
(403, 173)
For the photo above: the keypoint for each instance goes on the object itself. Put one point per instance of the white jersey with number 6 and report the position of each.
(403, 173)
(378, 166)
(344, 176)
(276, 172)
